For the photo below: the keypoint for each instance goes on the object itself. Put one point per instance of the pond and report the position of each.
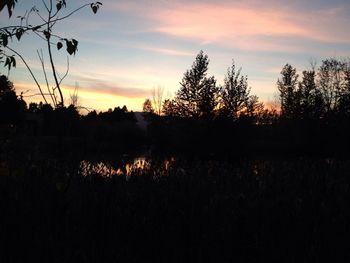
(126, 167)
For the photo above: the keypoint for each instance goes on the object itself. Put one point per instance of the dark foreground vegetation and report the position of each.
(178, 210)
(242, 182)
(203, 117)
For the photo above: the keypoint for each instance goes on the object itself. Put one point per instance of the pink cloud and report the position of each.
(243, 25)
(240, 26)
(167, 51)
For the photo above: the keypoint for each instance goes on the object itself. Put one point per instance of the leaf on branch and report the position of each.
(59, 45)
(95, 6)
(4, 40)
(13, 61)
(19, 33)
(10, 62)
(47, 34)
(58, 6)
(10, 5)
(7, 63)
(72, 46)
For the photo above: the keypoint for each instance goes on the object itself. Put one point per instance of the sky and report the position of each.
(130, 47)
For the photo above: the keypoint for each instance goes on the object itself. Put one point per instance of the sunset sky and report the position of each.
(130, 47)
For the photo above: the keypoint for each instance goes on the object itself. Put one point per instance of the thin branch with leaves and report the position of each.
(45, 31)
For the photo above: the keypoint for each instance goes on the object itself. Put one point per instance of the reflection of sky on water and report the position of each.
(135, 166)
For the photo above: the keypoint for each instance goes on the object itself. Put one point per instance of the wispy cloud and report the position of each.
(166, 51)
(96, 95)
(93, 86)
(129, 47)
(241, 27)
(245, 25)
(98, 86)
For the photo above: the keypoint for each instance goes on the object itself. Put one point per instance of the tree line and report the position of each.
(318, 94)
(314, 114)
(199, 95)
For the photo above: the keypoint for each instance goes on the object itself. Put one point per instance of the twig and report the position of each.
(30, 71)
(41, 58)
(54, 73)
(65, 75)
(34, 95)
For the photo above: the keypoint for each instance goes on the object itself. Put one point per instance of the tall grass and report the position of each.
(196, 210)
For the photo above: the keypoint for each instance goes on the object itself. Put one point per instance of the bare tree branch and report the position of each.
(41, 58)
(30, 71)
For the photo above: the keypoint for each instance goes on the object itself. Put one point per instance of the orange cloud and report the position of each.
(99, 96)
(102, 100)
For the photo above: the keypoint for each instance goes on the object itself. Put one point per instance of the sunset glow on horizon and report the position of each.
(131, 47)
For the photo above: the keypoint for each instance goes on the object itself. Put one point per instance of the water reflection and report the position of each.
(87, 168)
(134, 166)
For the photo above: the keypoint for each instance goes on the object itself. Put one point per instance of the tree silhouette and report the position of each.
(289, 94)
(331, 82)
(311, 100)
(197, 94)
(234, 93)
(157, 99)
(44, 28)
(169, 108)
(344, 102)
(11, 108)
(147, 106)
(253, 108)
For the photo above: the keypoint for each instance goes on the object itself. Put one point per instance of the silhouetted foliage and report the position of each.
(289, 94)
(148, 111)
(234, 94)
(330, 83)
(197, 96)
(170, 108)
(344, 101)
(259, 188)
(114, 130)
(253, 108)
(44, 27)
(333, 82)
(117, 115)
(10, 5)
(176, 210)
(147, 106)
(312, 104)
(320, 95)
(267, 117)
(157, 100)
(11, 108)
